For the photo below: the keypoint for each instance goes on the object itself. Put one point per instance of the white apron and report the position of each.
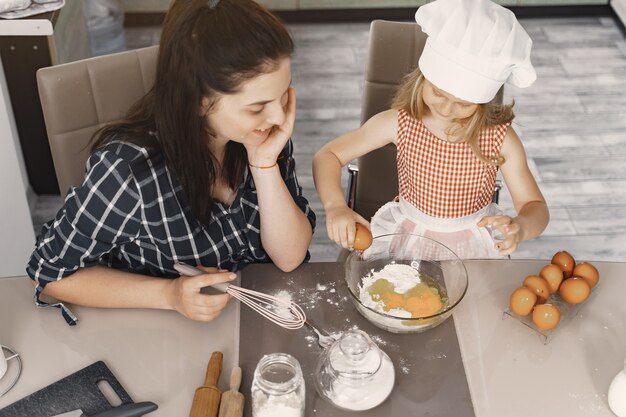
(461, 235)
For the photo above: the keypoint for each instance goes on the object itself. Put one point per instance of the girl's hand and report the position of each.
(185, 296)
(341, 225)
(266, 153)
(510, 231)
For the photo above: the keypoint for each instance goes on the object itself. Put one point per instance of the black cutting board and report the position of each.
(77, 391)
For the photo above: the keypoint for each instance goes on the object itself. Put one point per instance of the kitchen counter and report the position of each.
(160, 356)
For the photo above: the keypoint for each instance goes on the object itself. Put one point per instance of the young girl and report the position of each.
(451, 139)
(201, 171)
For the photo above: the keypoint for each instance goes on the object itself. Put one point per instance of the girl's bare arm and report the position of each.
(375, 133)
(532, 210)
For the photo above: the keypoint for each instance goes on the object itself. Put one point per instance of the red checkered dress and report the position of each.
(445, 179)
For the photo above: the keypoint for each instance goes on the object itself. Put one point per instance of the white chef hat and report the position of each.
(473, 48)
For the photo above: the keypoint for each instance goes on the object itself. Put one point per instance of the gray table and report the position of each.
(157, 356)
(430, 379)
(512, 373)
(161, 356)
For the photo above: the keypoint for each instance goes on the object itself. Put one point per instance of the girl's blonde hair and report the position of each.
(409, 98)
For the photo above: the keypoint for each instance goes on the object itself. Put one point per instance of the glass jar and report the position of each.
(353, 373)
(278, 387)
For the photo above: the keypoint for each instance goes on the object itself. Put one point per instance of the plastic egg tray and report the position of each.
(568, 313)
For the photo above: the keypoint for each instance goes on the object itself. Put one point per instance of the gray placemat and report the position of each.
(430, 379)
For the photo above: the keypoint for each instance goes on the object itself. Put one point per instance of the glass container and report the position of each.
(353, 373)
(278, 387)
(436, 265)
(617, 393)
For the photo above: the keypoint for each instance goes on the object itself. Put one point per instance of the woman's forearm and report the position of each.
(285, 230)
(103, 287)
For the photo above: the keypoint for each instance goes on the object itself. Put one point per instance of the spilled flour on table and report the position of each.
(281, 309)
(313, 298)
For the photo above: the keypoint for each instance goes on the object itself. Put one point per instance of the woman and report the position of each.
(200, 171)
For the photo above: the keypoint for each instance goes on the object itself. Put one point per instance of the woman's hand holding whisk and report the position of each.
(185, 296)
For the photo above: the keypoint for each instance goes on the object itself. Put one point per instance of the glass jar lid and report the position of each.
(355, 355)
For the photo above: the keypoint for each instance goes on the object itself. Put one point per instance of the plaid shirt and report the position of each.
(131, 213)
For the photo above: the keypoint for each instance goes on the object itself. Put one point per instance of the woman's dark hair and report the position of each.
(206, 49)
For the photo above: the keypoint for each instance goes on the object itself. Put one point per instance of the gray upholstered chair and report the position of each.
(394, 49)
(78, 98)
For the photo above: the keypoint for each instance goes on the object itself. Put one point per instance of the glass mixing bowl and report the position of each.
(430, 267)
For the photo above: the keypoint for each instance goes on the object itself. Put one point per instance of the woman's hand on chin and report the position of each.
(266, 153)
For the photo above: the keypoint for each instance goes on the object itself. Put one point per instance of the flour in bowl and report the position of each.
(401, 291)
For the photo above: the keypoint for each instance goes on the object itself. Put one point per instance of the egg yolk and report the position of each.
(421, 300)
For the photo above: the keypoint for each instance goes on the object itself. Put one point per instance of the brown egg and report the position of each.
(362, 238)
(522, 301)
(539, 286)
(565, 261)
(546, 316)
(574, 290)
(587, 272)
(553, 274)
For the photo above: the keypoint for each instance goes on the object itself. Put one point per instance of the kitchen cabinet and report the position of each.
(21, 57)
(144, 6)
(364, 4)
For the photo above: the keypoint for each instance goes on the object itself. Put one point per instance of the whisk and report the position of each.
(279, 310)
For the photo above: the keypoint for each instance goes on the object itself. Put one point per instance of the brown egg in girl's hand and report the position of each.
(546, 316)
(539, 286)
(565, 261)
(522, 301)
(574, 290)
(587, 272)
(553, 274)
(362, 238)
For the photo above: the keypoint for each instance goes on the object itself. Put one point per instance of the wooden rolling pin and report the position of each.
(232, 400)
(206, 400)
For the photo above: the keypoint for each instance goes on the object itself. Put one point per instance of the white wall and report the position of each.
(156, 6)
(620, 8)
(17, 236)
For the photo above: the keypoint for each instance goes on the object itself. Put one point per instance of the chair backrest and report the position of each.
(80, 97)
(394, 49)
